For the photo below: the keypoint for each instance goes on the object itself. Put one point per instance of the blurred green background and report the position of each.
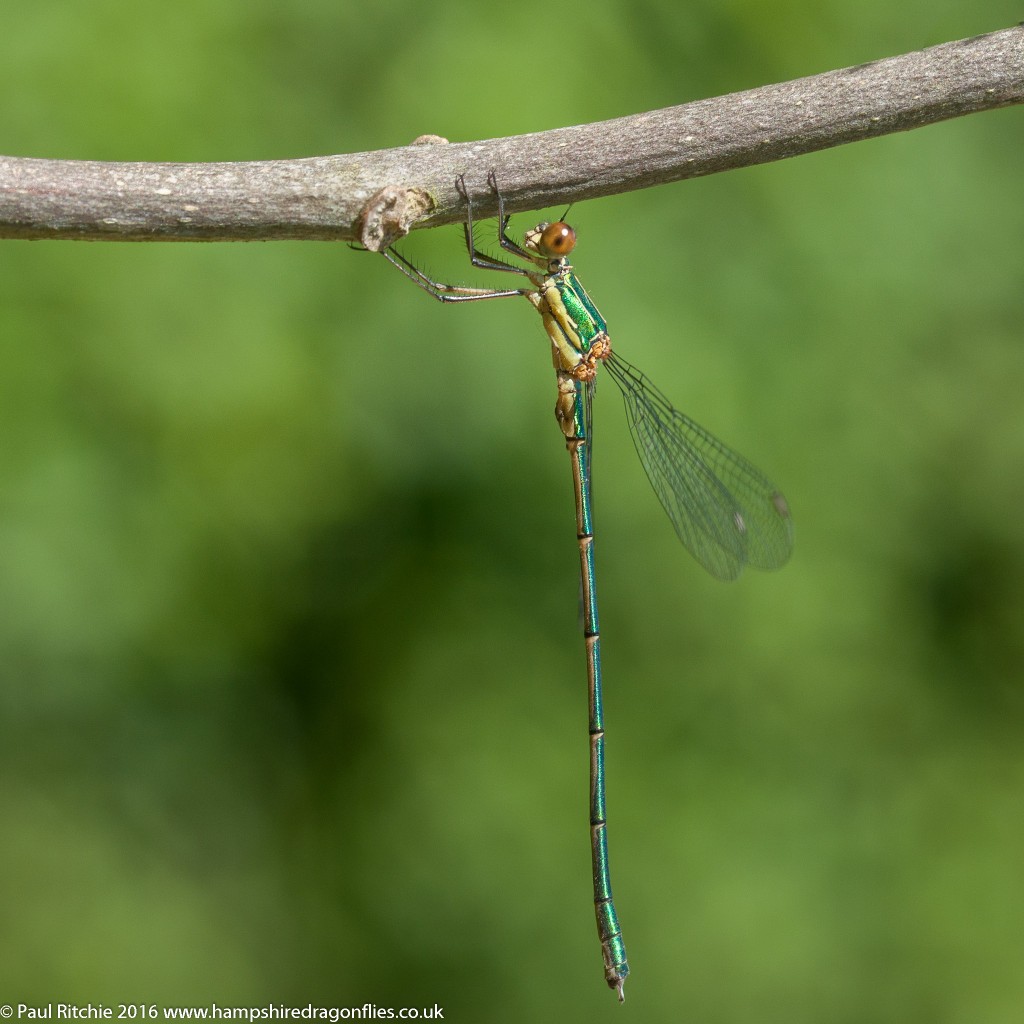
(292, 695)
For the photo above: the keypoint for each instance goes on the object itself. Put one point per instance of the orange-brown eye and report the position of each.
(557, 239)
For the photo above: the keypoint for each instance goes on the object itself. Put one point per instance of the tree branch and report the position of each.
(375, 197)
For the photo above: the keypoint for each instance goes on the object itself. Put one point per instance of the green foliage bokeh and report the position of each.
(292, 695)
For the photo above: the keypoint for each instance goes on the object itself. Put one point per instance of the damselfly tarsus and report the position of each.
(726, 513)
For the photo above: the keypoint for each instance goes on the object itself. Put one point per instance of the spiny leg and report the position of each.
(444, 292)
(476, 256)
(508, 244)
(440, 290)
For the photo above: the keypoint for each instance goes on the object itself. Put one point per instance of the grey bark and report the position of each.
(377, 196)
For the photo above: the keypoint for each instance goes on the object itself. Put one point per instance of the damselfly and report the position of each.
(726, 513)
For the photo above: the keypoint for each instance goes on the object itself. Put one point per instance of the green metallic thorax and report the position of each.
(583, 313)
(572, 320)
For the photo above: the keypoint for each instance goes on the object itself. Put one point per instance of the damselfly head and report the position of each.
(552, 241)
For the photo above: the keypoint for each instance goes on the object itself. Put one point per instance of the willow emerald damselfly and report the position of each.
(726, 512)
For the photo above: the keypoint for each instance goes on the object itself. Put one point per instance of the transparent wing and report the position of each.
(726, 512)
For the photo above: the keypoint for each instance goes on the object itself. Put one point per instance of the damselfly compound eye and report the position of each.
(557, 239)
